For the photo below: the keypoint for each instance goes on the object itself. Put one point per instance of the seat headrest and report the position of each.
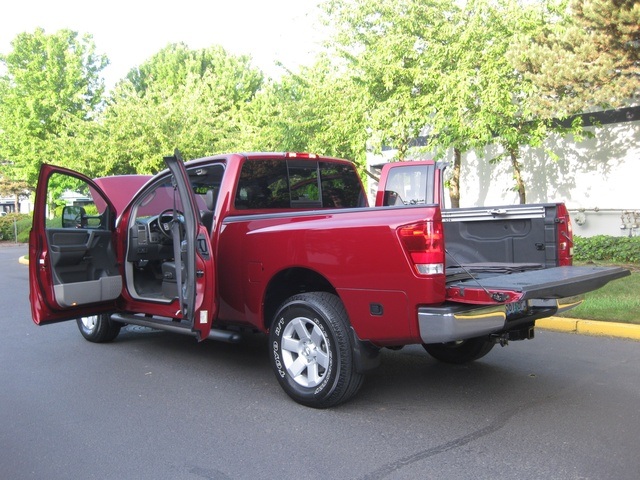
(210, 198)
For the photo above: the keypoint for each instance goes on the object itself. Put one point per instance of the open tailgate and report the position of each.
(549, 283)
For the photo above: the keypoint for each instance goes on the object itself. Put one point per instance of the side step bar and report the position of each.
(174, 327)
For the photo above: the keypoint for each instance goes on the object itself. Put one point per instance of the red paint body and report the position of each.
(384, 263)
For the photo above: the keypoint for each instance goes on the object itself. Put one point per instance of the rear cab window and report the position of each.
(297, 184)
(409, 185)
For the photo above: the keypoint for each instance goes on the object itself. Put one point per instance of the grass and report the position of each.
(617, 301)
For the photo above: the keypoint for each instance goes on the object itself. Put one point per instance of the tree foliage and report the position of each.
(439, 66)
(446, 68)
(189, 99)
(52, 87)
(583, 55)
(13, 188)
(318, 109)
(464, 73)
(387, 47)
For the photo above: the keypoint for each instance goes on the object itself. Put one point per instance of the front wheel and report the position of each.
(98, 328)
(463, 351)
(311, 351)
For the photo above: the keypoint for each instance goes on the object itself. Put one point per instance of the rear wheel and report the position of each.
(311, 351)
(98, 328)
(463, 351)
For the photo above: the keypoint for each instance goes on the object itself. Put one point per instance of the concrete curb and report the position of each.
(590, 327)
(23, 260)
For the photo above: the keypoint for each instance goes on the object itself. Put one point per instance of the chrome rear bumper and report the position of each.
(453, 322)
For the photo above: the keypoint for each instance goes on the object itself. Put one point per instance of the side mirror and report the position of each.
(73, 217)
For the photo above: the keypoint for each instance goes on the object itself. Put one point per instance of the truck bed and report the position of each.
(511, 253)
(519, 234)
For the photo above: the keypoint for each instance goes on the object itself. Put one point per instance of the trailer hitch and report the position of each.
(527, 333)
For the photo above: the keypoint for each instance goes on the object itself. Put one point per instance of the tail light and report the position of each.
(424, 244)
(565, 236)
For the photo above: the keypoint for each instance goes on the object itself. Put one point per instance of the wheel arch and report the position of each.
(289, 282)
(292, 281)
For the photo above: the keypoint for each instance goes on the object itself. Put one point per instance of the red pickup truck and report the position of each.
(286, 244)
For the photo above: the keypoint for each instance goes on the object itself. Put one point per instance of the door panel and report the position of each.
(83, 267)
(75, 269)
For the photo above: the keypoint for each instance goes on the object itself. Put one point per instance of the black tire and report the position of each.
(463, 351)
(98, 328)
(311, 352)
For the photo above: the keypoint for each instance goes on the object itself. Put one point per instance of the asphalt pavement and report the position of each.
(152, 405)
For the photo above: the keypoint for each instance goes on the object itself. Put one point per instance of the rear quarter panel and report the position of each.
(357, 251)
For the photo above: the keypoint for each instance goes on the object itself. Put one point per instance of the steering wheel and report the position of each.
(166, 218)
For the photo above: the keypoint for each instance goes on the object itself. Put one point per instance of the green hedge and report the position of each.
(604, 248)
(7, 229)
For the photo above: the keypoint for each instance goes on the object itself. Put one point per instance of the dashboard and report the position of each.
(150, 238)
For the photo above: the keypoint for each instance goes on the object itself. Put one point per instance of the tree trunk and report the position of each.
(402, 151)
(517, 175)
(454, 183)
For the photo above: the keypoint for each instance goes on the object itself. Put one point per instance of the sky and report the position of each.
(130, 32)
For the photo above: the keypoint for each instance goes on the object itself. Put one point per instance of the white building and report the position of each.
(598, 178)
(7, 205)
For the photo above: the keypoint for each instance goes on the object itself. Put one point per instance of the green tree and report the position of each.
(387, 47)
(585, 54)
(438, 66)
(501, 96)
(570, 60)
(189, 99)
(51, 88)
(13, 188)
(442, 67)
(318, 109)
(471, 82)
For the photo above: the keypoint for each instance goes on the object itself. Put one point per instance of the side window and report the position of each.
(263, 184)
(205, 182)
(341, 186)
(407, 186)
(73, 204)
(160, 197)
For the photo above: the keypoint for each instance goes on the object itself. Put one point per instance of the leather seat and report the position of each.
(170, 280)
(210, 202)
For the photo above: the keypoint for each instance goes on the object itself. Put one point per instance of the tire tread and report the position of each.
(105, 331)
(333, 313)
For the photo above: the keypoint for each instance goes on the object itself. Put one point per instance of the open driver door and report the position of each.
(79, 256)
(73, 270)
